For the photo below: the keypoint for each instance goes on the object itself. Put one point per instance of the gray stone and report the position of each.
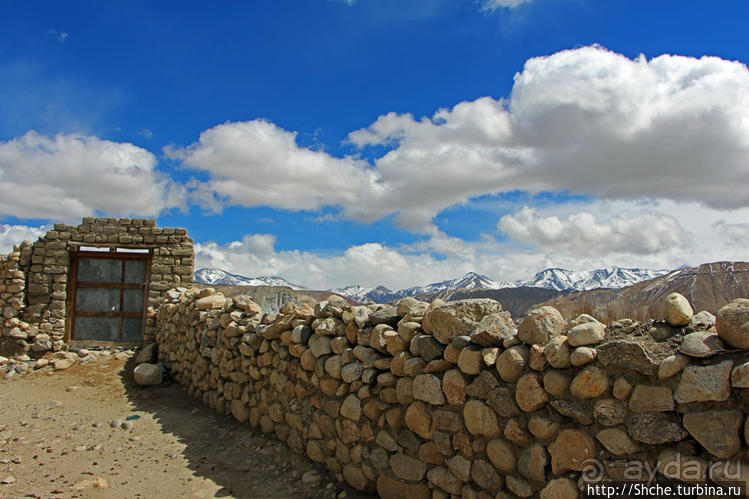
(492, 330)
(609, 412)
(386, 315)
(701, 344)
(428, 347)
(628, 355)
(574, 409)
(655, 428)
(147, 354)
(427, 387)
(588, 333)
(352, 372)
(148, 374)
(453, 319)
(704, 383)
(581, 356)
(672, 365)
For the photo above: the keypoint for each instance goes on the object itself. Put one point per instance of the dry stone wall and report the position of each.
(452, 399)
(34, 276)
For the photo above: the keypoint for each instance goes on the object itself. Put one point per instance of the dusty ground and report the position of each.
(56, 440)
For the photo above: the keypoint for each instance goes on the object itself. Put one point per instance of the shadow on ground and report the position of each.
(241, 461)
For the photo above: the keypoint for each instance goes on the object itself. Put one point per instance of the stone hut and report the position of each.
(94, 283)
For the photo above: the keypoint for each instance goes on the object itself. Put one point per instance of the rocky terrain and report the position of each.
(708, 287)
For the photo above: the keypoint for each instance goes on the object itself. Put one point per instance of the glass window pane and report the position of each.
(96, 328)
(99, 270)
(131, 329)
(135, 271)
(132, 300)
(97, 300)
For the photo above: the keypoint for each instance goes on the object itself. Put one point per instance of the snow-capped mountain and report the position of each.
(365, 294)
(381, 294)
(613, 277)
(554, 278)
(221, 277)
(471, 280)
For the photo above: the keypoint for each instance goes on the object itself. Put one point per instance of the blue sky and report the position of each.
(382, 141)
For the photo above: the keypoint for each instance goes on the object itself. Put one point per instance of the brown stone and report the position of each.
(480, 419)
(486, 476)
(501, 454)
(571, 450)
(407, 468)
(529, 394)
(532, 462)
(354, 477)
(560, 488)
(454, 387)
(556, 383)
(647, 398)
(444, 479)
(717, 431)
(557, 352)
(591, 382)
(540, 325)
(390, 488)
(617, 441)
(511, 362)
(419, 419)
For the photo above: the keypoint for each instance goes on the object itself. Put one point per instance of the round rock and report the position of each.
(677, 310)
(733, 323)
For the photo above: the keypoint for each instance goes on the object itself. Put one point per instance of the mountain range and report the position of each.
(217, 277)
(554, 279)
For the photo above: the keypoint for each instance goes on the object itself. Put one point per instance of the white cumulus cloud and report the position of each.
(256, 163)
(69, 176)
(12, 235)
(584, 234)
(586, 121)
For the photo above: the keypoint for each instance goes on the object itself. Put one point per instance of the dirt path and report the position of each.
(56, 440)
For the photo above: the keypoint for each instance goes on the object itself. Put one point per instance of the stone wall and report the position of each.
(35, 275)
(433, 400)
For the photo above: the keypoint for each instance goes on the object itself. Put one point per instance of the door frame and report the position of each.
(108, 253)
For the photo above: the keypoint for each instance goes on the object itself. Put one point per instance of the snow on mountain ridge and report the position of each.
(221, 277)
(556, 279)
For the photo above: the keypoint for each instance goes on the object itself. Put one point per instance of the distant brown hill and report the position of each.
(707, 287)
(515, 300)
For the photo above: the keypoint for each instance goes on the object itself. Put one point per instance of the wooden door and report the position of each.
(108, 297)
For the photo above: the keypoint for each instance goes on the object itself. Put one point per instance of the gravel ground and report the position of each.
(89, 431)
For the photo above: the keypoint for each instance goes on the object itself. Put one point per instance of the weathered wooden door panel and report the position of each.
(108, 291)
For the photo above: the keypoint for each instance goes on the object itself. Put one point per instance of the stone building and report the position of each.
(94, 283)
